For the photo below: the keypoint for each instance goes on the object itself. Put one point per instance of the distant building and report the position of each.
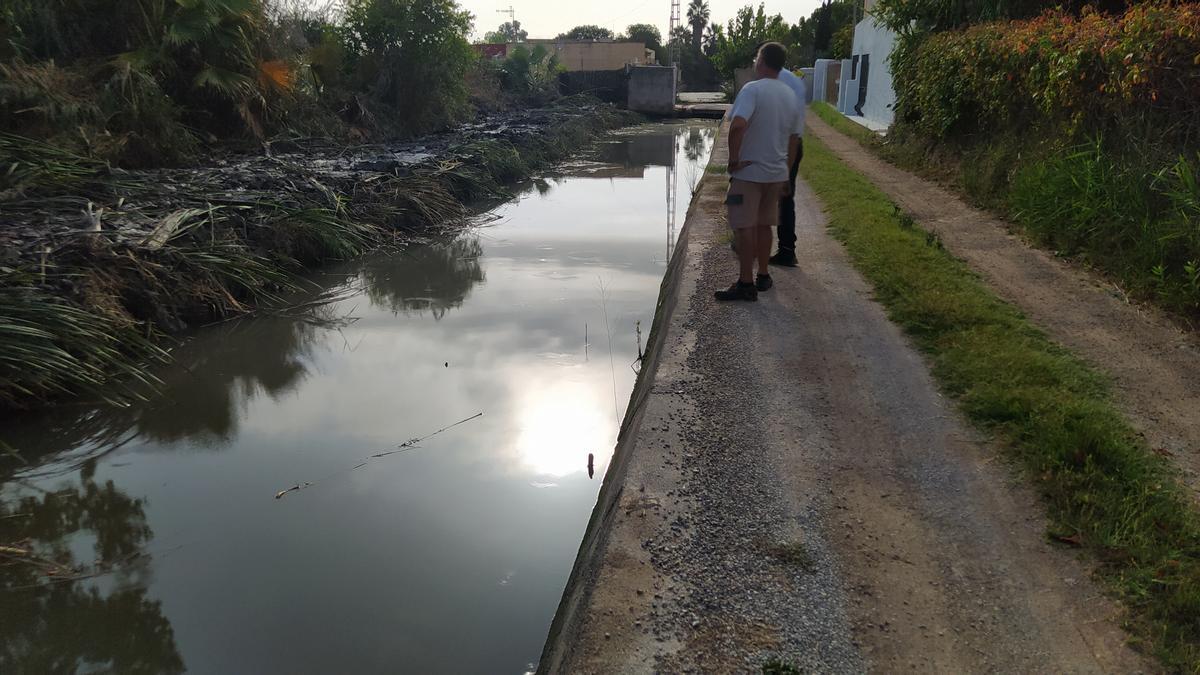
(580, 55)
(866, 89)
(492, 50)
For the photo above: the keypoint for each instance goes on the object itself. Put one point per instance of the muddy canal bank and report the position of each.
(98, 264)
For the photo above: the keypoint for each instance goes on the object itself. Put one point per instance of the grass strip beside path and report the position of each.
(1105, 490)
(838, 121)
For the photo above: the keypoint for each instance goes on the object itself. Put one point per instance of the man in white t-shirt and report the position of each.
(764, 139)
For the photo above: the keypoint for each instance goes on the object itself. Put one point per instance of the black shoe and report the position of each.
(784, 258)
(738, 291)
(763, 282)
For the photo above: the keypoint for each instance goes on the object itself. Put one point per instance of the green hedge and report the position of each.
(1073, 75)
(1085, 128)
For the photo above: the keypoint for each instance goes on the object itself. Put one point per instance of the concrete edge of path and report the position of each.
(565, 628)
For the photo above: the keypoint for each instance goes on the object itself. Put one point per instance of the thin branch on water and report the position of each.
(406, 445)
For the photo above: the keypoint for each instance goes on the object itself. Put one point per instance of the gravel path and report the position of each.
(791, 486)
(1154, 365)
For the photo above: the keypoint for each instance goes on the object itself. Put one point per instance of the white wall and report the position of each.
(741, 77)
(847, 89)
(872, 38)
(821, 80)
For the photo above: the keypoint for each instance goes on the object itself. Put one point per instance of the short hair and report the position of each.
(773, 55)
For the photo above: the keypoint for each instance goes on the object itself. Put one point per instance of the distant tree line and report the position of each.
(146, 82)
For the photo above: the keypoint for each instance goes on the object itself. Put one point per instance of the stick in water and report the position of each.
(406, 445)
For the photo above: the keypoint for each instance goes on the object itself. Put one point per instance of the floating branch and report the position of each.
(406, 445)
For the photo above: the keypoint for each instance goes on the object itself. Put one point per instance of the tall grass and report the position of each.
(29, 166)
(49, 347)
(1139, 222)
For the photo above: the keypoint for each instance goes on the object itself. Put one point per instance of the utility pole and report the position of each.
(672, 196)
(512, 19)
(673, 50)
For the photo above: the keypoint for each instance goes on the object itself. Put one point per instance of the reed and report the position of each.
(49, 347)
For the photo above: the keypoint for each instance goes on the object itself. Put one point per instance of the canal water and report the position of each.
(162, 542)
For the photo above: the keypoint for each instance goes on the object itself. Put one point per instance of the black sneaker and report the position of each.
(738, 291)
(763, 282)
(784, 258)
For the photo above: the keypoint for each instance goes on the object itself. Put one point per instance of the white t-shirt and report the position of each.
(797, 84)
(773, 116)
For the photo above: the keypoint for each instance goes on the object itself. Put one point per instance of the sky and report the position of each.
(548, 18)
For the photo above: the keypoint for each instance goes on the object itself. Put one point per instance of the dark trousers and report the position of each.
(787, 208)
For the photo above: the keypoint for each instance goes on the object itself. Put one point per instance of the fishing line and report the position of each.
(406, 445)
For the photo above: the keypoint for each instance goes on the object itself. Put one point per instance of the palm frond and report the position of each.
(226, 83)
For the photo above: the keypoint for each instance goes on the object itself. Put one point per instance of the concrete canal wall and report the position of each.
(602, 582)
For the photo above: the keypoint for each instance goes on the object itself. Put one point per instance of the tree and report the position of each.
(823, 33)
(509, 31)
(735, 45)
(711, 37)
(647, 34)
(827, 33)
(698, 16)
(587, 32)
(412, 55)
(695, 68)
(842, 44)
(906, 16)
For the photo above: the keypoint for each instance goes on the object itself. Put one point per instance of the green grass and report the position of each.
(794, 554)
(1102, 486)
(1125, 214)
(777, 667)
(840, 122)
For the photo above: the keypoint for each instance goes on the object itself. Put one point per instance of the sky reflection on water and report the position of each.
(448, 557)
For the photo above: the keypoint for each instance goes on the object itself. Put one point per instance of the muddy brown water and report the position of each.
(449, 556)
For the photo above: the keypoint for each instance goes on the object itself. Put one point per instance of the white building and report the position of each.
(866, 89)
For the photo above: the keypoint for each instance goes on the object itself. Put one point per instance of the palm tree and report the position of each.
(697, 16)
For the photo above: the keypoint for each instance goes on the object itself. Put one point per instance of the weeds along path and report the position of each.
(1154, 365)
(791, 487)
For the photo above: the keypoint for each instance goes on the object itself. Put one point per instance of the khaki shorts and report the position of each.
(753, 204)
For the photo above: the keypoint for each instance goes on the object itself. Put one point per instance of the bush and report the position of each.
(412, 55)
(531, 74)
(1060, 73)
(143, 82)
(1084, 127)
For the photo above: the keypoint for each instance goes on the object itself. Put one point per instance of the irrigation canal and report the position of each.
(158, 543)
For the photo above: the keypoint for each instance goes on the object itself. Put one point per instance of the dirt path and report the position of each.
(791, 485)
(1155, 367)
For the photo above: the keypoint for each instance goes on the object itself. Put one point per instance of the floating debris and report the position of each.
(406, 445)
